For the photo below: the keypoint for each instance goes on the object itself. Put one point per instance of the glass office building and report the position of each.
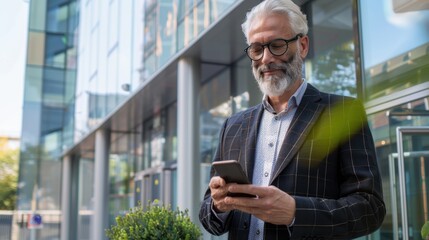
(124, 100)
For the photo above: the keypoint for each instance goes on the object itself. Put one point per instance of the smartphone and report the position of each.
(232, 172)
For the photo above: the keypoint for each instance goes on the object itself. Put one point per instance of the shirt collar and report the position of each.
(294, 100)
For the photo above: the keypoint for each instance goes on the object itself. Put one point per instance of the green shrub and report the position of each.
(157, 222)
(425, 231)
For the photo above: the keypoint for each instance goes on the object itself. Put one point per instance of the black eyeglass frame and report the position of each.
(268, 44)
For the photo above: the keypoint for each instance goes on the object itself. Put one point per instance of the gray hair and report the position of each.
(298, 20)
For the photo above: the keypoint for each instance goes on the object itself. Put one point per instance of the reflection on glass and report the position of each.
(160, 138)
(86, 198)
(331, 65)
(57, 19)
(48, 193)
(383, 126)
(154, 140)
(121, 183)
(171, 25)
(36, 48)
(215, 103)
(55, 53)
(393, 61)
(417, 165)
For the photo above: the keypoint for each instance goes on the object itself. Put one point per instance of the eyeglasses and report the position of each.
(277, 47)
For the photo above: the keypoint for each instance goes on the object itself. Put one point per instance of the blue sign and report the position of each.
(34, 221)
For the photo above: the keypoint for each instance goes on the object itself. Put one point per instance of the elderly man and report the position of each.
(309, 155)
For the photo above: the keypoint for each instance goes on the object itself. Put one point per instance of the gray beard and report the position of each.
(278, 84)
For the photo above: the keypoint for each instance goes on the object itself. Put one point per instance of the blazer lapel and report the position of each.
(306, 115)
(249, 134)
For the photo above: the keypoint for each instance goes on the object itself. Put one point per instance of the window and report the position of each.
(395, 48)
(330, 65)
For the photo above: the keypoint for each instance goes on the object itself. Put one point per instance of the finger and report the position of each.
(219, 193)
(242, 203)
(249, 189)
(216, 182)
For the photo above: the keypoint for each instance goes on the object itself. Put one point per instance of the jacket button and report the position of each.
(258, 232)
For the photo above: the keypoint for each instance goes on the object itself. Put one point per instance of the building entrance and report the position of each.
(409, 177)
(156, 184)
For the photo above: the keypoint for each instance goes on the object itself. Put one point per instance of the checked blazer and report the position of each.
(327, 162)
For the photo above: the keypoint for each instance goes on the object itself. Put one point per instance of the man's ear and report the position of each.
(304, 45)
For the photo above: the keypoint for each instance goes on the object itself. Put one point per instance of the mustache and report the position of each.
(273, 66)
(278, 66)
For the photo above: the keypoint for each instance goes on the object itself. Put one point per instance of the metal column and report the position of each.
(101, 184)
(188, 164)
(66, 198)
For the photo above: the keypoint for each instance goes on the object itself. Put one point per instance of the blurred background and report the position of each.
(110, 104)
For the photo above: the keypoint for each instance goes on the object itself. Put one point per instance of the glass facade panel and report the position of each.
(149, 38)
(86, 198)
(215, 107)
(36, 48)
(68, 115)
(165, 43)
(33, 84)
(110, 95)
(218, 8)
(28, 173)
(55, 54)
(93, 49)
(245, 89)
(30, 137)
(49, 188)
(383, 125)
(110, 48)
(154, 140)
(171, 134)
(57, 19)
(330, 65)
(113, 24)
(392, 61)
(53, 86)
(171, 25)
(53, 109)
(121, 171)
(137, 149)
(37, 18)
(160, 138)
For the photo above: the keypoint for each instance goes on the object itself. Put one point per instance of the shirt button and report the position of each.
(258, 232)
(266, 174)
(270, 144)
(276, 118)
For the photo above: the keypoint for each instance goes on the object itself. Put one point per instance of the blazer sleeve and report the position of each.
(216, 224)
(360, 208)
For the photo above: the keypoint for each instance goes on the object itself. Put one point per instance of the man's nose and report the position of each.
(267, 57)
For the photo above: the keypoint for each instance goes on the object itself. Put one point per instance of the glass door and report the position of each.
(413, 162)
(412, 181)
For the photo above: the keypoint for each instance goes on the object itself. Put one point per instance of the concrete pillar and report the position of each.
(66, 190)
(188, 163)
(101, 184)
